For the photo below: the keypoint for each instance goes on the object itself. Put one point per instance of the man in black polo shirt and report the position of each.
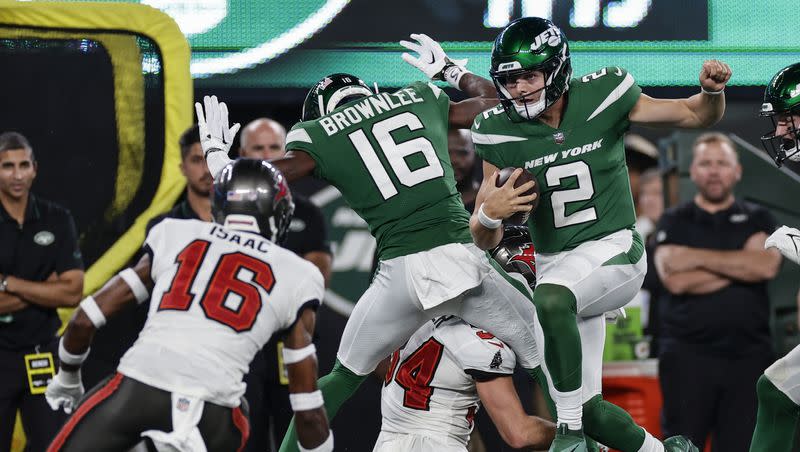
(267, 390)
(40, 270)
(715, 339)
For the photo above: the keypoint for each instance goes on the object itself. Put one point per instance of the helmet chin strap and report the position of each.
(529, 111)
(238, 222)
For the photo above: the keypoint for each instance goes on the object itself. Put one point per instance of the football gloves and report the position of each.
(64, 391)
(215, 134)
(432, 60)
(787, 241)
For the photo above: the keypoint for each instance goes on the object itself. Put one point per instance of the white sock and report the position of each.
(651, 444)
(569, 408)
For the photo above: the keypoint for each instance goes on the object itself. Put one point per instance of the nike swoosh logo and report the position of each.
(433, 60)
(795, 239)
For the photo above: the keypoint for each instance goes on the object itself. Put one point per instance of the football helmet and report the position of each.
(515, 253)
(782, 105)
(331, 92)
(524, 46)
(252, 195)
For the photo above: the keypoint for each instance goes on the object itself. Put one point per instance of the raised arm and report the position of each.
(311, 422)
(436, 65)
(500, 399)
(129, 285)
(698, 111)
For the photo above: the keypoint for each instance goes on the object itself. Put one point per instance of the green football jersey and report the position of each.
(387, 155)
(579, 166)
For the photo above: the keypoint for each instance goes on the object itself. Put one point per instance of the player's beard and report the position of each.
(202, 187)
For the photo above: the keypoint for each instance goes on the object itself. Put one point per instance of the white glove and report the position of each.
(787, 241)
(64, 391)
(214, 131)
(433, 61)
(615, 315)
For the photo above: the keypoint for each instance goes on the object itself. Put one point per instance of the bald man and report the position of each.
(263, 139)
(267, 391)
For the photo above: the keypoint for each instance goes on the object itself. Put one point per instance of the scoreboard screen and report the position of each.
(280, 43)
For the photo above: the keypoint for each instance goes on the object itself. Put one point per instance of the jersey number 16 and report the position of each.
(223, 282)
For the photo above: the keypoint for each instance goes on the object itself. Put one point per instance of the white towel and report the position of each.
(185, 436)
(445, 272)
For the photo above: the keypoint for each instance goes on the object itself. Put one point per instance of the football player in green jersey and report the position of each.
(779, 388)
(568, 133)
(387, 154)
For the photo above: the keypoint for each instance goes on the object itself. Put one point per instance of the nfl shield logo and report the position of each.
(183, 404)
(558, 137)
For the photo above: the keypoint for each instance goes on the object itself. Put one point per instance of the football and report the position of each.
(519, 218)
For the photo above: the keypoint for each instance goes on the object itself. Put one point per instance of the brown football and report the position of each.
(519, 218)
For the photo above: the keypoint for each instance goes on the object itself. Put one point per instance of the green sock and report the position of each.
(537, 375)
(611, 425)
(337, 387)
(557, 310)
(777, 419)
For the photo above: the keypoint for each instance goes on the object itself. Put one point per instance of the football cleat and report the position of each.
(567, 440)
(679, 444)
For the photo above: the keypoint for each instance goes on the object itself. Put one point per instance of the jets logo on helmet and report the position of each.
(782, 106)
(525, 46)
(551, 36)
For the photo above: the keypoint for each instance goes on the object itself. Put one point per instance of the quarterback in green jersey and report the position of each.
(779, 388)
(387, 154)
(568, 133)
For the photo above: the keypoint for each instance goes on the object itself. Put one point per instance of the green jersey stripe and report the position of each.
(614, 96)
(487, 138)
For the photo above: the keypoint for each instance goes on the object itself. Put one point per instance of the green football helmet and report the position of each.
(524, 46)
(782, 105)
(331, 92)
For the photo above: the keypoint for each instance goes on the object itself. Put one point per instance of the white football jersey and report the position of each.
(219, 295)
(430, 386)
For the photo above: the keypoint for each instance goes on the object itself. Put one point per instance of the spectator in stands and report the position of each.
(40, 270)
(462, 156)
(715, 312)
(267, 390)
(264, 139)
(649, 208)
(640, 156)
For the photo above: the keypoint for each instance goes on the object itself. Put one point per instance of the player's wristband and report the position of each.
(291, 355)
(452, 74)
(712, 93)
(326, 446)
(68, 358)
(90, 308)
(489, 223)
(135, 283)
(304, 401)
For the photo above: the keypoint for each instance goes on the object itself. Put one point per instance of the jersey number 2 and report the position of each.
(415, 374)
(224, 281)
(396, 154)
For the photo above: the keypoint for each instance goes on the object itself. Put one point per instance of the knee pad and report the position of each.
(554, 300)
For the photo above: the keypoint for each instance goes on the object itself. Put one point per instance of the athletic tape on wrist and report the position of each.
(326, 446)
(90, 308)
(291, 355)
(135, 283)
(712, 93)
(453, 73)
(304, 401)
(484, 219)
(68, 358)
